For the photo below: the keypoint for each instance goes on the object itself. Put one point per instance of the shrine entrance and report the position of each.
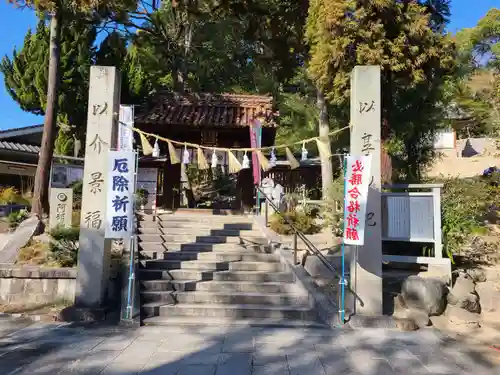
(210, 120)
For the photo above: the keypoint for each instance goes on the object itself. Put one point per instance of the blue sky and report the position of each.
(465, 13)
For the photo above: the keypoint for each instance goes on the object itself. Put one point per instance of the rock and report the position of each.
(420, 317)
(402, 312)
(406, 324)
(463, 294)
(489, 296)
(399, 306)
(464, 286)
(425, 294)
(477, 275)
(462, 317)
(470, 303)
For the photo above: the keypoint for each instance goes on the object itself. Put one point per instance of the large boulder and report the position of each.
(425, 294)
(403, 313)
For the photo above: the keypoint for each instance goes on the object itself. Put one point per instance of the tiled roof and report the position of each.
(13, 146)
(30, 127)
(207, 110)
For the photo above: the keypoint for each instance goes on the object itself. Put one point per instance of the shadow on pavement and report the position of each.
(51, 349)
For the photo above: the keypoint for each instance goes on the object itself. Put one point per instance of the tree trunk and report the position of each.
(324, 129)
(40, 193)
(188, 196)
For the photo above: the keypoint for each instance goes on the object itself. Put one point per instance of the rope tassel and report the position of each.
(173, 155)
(234, 165)
(264, 163)
(147, 149)
(291, 159)
(202, 161)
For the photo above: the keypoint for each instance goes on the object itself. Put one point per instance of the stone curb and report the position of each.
(34, 318)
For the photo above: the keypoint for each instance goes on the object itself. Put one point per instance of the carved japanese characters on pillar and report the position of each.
(365, 140)
(61, 207)
(101, 137)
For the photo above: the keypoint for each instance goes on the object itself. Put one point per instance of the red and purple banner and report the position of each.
(255, 142)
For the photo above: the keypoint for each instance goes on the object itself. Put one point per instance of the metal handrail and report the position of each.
(314, 250)
(310, 246)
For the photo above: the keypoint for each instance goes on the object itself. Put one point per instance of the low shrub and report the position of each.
(35, 252)
(301, 220)
(465, 205)
(17, 217)
(10, 195)
(64, 245)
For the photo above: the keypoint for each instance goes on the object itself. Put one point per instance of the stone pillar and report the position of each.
(102, 133)
(366, 261)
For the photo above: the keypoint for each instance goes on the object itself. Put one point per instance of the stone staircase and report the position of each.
(201, 268)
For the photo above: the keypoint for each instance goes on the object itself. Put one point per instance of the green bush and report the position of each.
(301, 220)
(16, 218)
(77, 187)
(10, 195)
(332, 210)
(465, 205)
(64, 245)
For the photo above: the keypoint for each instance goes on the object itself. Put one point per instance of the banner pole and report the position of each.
(342, 281)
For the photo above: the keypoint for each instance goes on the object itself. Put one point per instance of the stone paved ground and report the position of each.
(51, 349)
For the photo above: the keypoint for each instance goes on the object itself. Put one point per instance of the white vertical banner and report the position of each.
(125, 133)
(357, 181)
(120, 194)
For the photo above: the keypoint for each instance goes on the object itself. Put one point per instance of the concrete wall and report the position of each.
(38, 285)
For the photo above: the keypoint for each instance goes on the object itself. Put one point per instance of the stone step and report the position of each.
(177, 321)
(246, 287)
(229, 311)
(171, 297)
(232, 256)
(168, 285)
(185, 265)
(188, 224)
(282, 277)
(197, 231)
(203, 247)
(145, 274)
(214, 266)
(197, 218)
(189, 238)
(218, 286)
(256, 266)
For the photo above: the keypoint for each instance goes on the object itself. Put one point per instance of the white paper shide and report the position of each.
(120, 194)
(357, 180)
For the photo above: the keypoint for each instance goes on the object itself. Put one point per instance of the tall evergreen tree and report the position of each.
(58, 10)
(404, 38)
(26, 74)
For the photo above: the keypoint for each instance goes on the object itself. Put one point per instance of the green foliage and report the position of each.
(303, 221)
(406, 40)
(77, 187)
(141, 197)
(17, 217)
(64, 245)
(26, 74)
(476, 88)
(465, 205)
(333, 208)
(10, 195)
